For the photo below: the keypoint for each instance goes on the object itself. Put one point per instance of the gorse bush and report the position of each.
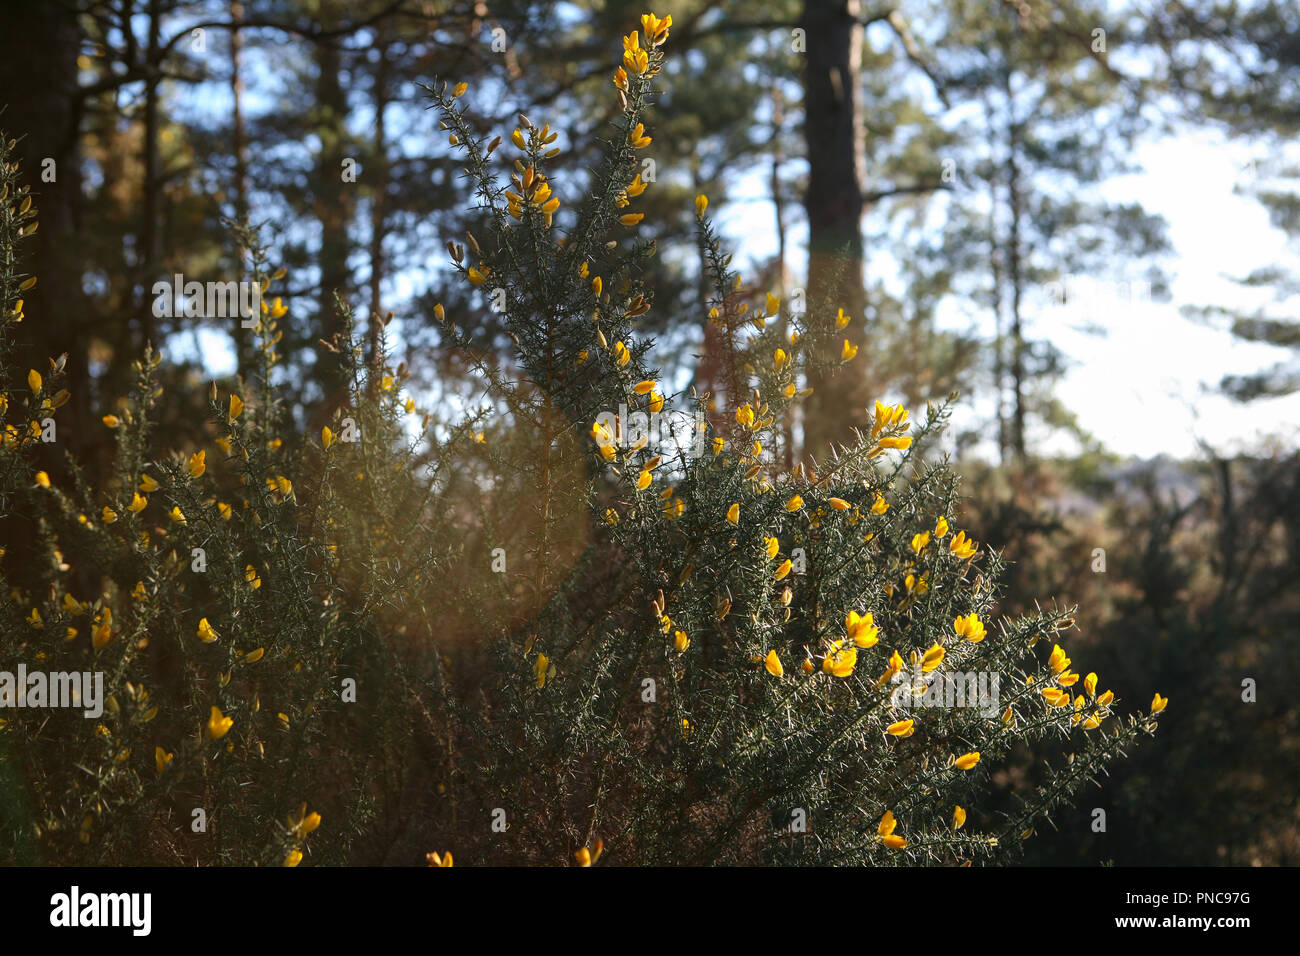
(535, 632)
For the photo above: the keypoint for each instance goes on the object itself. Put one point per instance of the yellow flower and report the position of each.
(888, 416)
(840, 662)
(701, 204)
(879, 506)
(968, 760)
(901, 728)
(103, 629)
(282, 485)
(586, 856)
(632, 218)
(459, 89)
(303, 823)
(849, 351)
(634, 58)
(218, 725)
(1058, 661)
(108, 514)
(962, 546)
(294, 857)
(206, 634)
(542, 669)
(681, 641)
(958, 818)
(254, 656)
(34, 380)
(621, 355)
(886, 832)
(1105, 699)
(794, 504)
(161, 759)
(656, 402)
(223, 509)
(475, 277)
(147, 484)
(643, 480)
(656, 29)
(772, 664)
(637, 138)
(43, 479)
(941, 527)
(969, 627)
(733, 514)
(435, 860)
(933, 658)
(862, 629)
(1158, 703)
(919, 541)
(645, 386)
(177, 515)
(251, 576)
(111, 421)
(745, 415)
(326, 437)
(839, 504)
(782, 570)
(198, 464)
(841, 320)
(771, 546)
(236, 406)
(718, 444)
(1055, 696)
(1090, 685)
(138, 503)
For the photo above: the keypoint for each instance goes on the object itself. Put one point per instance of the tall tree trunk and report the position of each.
(834, 133)
(378, 195)
(996, 269)
(1016, 282)
(148, 264)
(245, 357)
(237, 120)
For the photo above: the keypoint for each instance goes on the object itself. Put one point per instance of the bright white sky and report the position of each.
(1146, 386)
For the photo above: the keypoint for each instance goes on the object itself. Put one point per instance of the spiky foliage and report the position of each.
(537, 628)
